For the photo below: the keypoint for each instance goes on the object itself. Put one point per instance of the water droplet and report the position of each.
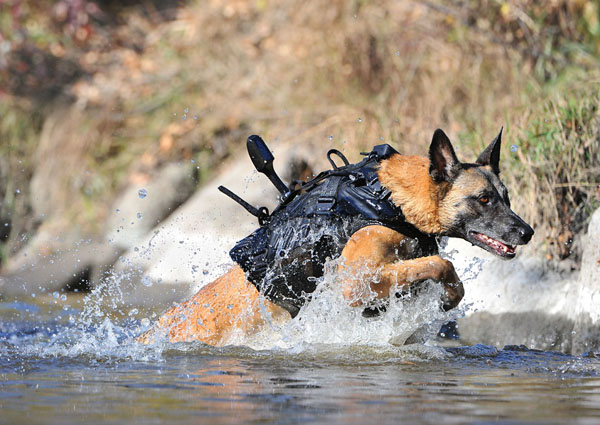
(186, 110)
(397, 53)
(55, 295)
(195, 117)
(18, 191)
(146, 281)
(118, 211)
(229, 306)
(200, 322)
(359, 120)
(5, 224)
(204, 272)
(142, 193)
(139, 216)
(330, 138)
(63, 297)
(184, 117)
(514, 148)
(145, 321)
(382, 138)
(133, 311)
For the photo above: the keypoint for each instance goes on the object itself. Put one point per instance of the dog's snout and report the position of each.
(526, 233)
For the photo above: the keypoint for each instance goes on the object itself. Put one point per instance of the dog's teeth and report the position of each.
(499, 247)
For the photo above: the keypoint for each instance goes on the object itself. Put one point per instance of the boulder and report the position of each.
(586, 333)
(84, 263)
(62, 270)
(140, 208)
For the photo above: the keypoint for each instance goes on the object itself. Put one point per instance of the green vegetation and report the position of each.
(132, 87)
(558, 167)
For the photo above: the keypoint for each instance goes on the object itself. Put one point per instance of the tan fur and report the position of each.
(231, 302)
(407, 177)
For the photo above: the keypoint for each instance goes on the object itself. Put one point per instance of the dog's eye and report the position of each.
(484, 199)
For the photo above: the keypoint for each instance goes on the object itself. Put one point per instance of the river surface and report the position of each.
(67, 360)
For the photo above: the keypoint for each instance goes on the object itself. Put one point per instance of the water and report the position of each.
(73, 359)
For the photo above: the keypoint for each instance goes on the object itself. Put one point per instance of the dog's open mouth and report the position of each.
(494, 245)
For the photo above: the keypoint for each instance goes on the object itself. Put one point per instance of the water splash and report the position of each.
(94, 333)
(328, 319)
(328, 324)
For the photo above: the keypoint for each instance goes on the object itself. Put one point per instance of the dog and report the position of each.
(438, 195)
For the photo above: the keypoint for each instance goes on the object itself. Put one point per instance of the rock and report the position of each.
(63, 270)
(587, 318)
(4, 211)
(140, 208)
(534, 329)
(59, 151)
(86, 263)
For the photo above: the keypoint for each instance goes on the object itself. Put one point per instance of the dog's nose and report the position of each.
(526, 233)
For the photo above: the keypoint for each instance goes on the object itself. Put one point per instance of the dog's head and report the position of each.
(474, 203)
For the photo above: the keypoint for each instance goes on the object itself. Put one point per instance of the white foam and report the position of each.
(329, 319)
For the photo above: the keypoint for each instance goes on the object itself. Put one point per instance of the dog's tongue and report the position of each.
(496, 245)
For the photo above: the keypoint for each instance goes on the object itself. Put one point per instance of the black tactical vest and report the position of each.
(286, 255)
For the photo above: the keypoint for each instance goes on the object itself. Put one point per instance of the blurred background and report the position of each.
(102, 99)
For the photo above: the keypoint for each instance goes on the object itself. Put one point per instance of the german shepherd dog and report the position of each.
(439, 195)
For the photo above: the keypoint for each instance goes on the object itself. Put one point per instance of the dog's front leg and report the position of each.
(371, 265)
(409, 272)
(403, 274)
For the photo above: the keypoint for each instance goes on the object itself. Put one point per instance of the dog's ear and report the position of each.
(491, 155)
(443, 163)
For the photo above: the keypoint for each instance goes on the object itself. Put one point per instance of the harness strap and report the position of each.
(326, 202)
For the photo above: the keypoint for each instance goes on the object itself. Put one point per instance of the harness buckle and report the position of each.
(325, 204)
